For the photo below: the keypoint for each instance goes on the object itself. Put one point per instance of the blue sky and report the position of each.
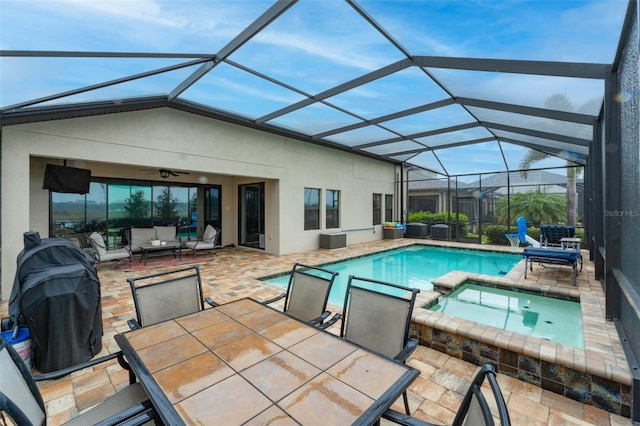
(313, 46)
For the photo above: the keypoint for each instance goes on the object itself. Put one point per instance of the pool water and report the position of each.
(553, 319)
(413, 266)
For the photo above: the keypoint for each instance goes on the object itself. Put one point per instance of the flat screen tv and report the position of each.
(68, 180)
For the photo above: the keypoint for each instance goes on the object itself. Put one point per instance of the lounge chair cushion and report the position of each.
(568, 256)
(209, 234)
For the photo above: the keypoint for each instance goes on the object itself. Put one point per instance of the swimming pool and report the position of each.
(547, 318)
(413, 266)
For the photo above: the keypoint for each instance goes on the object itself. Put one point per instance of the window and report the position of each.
(114, 205)
(425, 203)
(311, 208)
(388, 208)
(333, 208)
(377, 209)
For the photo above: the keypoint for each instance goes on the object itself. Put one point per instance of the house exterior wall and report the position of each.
(214, 152)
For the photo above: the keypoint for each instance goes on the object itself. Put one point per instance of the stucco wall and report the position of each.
(215, 152)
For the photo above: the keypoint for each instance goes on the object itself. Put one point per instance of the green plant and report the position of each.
(430, 219)
(496, 233)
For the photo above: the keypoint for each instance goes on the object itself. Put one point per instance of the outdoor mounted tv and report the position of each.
(69, 180)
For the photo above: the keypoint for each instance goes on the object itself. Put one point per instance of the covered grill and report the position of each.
(56, 294)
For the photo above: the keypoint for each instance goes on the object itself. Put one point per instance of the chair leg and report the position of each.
(406, 402)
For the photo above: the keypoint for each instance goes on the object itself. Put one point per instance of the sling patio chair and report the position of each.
(101, 253)
(377, 316)
(307, 294)
(21, 402)
(550, 235)
(167, 295)
(475, 410)
(208, 242)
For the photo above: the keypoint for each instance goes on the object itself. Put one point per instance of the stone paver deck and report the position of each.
(434, 396)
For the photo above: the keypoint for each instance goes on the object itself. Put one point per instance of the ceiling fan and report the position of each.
(165, 173)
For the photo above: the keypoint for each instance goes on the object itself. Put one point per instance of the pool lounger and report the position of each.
(553, 256)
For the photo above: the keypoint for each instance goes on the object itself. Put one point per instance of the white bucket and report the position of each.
(21, 343)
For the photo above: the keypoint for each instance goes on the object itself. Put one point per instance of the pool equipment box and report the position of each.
(440, 232)
(393, 233)
(417, 230)
(333, 241)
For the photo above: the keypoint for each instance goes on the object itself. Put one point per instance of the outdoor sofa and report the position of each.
(142, 236)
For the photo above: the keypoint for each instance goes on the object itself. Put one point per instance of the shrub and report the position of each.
(495, 233)
(429, 219)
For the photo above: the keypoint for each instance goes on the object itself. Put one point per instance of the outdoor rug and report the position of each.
(163, 262)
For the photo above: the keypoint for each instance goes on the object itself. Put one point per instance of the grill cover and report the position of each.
(56, 294)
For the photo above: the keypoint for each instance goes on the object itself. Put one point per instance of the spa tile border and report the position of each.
(593, 376)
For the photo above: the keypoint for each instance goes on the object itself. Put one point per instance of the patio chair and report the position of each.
(208, 242)
(553, 256)
(474, 410)
(167, 295)
(307, 294)
(22, 404)
(378, 317)
(101, 253)
(550, 235)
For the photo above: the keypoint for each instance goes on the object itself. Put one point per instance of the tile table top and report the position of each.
(246, 363)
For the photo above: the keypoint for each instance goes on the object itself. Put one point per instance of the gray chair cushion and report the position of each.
(13, 384)
(209, 235)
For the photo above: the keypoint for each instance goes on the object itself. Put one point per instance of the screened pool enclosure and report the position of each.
(480, 107)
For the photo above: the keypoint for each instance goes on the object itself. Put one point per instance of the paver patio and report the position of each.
(434, 396)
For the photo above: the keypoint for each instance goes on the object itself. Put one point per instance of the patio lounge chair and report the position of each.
(22, 403)
(167, 295)
(552, 256)
(208, 241)
(474, 410)
(307, 294)
(101, 253)
(378, 320)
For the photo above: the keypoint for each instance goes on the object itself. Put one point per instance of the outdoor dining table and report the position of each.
(247, 363)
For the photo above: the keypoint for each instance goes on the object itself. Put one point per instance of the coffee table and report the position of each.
(160, 250)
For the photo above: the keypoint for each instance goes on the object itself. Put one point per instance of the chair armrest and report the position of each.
(137, 415)
(411, 346)
(275, 299)
(144, 418)
(133, 324)
(330, 322)
(60, 373)
(403, 419)
(211, 302)
(321, 318)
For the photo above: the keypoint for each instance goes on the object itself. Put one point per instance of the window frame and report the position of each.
(333, 211)
(308, 209)
(388, 207)
(377, 208)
